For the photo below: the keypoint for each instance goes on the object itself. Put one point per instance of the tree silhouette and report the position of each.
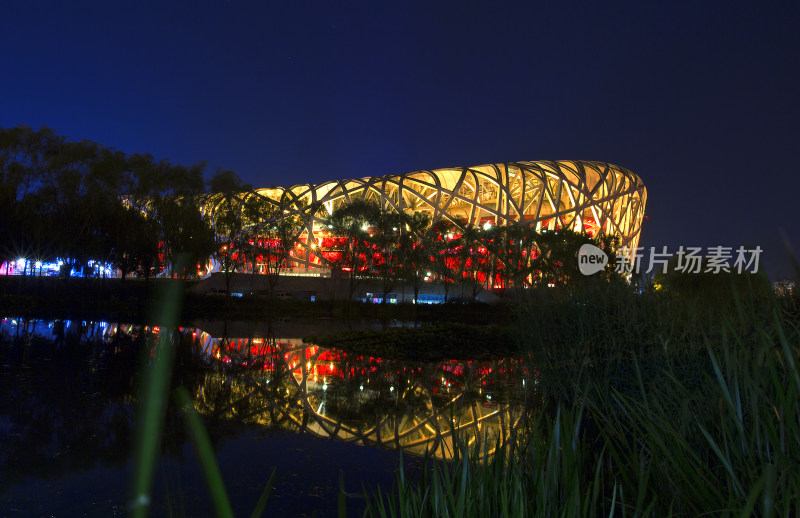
(415, 257)
(227, 195)
(349, 248)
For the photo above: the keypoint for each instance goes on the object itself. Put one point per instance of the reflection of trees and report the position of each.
(66, 405)
(374, 390)
(69, 401)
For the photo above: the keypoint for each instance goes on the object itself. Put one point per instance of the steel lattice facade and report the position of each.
(592, 196)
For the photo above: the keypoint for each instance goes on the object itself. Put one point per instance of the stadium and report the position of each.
(594, 197)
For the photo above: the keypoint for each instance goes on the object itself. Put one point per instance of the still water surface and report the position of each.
(268, 400)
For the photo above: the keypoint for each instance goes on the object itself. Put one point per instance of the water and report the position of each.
(268, 400)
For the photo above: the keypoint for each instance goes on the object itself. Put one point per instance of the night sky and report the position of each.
(699, 99)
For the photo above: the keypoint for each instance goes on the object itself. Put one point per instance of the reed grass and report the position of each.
(646, 406)
(542, 474)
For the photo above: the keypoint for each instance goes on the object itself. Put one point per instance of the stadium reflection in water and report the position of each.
(258, 378)
(284, 382)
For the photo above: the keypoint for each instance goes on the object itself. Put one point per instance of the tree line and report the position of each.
(364, 241)
(76, 202)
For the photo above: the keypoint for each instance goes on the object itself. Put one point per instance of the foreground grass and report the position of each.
(646, 407)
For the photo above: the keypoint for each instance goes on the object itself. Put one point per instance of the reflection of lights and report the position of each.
(308, 365)
(324, 386)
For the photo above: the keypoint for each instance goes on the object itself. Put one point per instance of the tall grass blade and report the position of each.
(262, 500)
(153, 397)
(205, 453)
(342, 497)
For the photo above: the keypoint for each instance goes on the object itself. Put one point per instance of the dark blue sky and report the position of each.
(699, 99)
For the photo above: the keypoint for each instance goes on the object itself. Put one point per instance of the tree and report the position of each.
(557, 262)
(349, 247)
(387, 253)
(170, 231)
(147, 258)
(140, 241)
(512, 248)
(256, 209)
(24, 155)
(414, 257)
(188, 237)
(77, 201)
(441, 243)
(227, 194)
(473, 257)
(128, 229)
(271, 231)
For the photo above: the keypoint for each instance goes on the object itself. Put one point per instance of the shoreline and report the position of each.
(132, 300)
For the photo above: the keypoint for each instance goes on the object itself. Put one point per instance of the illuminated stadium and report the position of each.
(594, 197)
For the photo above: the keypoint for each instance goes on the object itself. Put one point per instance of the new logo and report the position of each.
(591, 259)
